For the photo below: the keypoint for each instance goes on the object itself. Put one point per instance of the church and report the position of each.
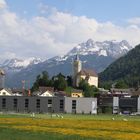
(89, 75)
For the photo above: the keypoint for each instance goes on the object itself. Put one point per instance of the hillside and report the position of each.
(126, 68)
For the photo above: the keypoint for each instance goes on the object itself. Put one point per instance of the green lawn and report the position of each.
(11, 134)
(73, 116)
(8, 133)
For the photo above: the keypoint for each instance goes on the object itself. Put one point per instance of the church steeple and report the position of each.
(77, 58)
(77, 67)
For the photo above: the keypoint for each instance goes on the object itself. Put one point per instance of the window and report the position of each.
(15, 103)
(38, 103)
(26, 103)
(49, 102)
(3, 103)
(61, 105)
(49, 105)
(73, 104)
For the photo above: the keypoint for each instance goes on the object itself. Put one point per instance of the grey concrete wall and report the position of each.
(83, 105)
(138, 110)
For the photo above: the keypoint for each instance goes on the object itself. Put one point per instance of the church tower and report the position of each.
(77, 67)
(2, 78)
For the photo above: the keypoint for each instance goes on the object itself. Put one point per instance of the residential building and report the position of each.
(77, 93)
(5, 92)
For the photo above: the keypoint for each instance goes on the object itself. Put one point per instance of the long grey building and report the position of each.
(48, 104)
(74, 105)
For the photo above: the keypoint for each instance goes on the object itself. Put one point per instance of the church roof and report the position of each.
(88, 72)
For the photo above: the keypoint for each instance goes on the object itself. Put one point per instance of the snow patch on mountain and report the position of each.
(103, 53)
(19, 64)
(111, 48)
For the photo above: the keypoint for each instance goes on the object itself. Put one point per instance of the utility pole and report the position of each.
(23, 87)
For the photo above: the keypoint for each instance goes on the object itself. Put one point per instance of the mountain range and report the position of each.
(93, 54)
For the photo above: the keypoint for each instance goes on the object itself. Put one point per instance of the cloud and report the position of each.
(135, 21)
(3, 4)
(55, 34)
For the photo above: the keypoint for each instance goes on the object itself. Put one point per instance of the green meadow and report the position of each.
(69, 127)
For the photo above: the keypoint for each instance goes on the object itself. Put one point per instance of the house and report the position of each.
(77, 93)
(46, 94)
(90, 76)
(5, 92)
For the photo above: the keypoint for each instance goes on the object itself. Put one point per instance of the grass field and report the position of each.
(70, 127)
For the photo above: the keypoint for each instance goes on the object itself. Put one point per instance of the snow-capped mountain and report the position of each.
(113, 49)
(105, 48)
(94, 55)
(18, 64)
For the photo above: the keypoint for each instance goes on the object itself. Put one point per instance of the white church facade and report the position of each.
(89, 75)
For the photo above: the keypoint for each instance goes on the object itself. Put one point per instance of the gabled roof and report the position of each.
(47, 93)
(44, 89)
(88, 72)
(8, 90)
(15, 90)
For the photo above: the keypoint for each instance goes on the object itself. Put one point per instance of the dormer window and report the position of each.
(4, 93)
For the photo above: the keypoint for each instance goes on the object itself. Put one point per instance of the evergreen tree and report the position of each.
(59, 82)
(41, 80)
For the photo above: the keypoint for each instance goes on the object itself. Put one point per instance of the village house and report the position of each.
(5, 92)
(44, 92)
(77, 93)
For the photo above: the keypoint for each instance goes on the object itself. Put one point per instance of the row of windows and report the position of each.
(26, 105)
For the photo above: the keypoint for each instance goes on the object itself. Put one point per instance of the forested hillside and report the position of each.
(125, 70)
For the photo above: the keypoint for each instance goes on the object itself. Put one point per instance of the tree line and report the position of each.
(63, 83)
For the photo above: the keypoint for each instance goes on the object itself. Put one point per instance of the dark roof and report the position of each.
(119, 90)
(88, 72)
(60, 93)
(15, 90)
(77, 91)
(44, 89)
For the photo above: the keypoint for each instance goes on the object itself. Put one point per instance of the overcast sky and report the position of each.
(46, 28)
